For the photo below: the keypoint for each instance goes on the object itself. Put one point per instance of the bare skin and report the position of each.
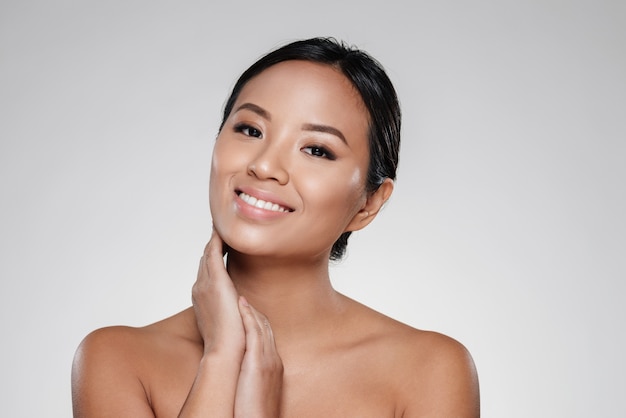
(267, 335)
(348, 361)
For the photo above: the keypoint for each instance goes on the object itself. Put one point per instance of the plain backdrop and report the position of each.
(506, 230)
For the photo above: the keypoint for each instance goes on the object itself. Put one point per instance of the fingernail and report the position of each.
(244, 301)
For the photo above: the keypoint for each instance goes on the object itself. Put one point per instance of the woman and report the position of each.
(306, 154)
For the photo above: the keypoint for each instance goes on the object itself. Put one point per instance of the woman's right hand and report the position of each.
(215, 303)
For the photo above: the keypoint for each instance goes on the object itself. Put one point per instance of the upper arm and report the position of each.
(105, 378)
(445, 382)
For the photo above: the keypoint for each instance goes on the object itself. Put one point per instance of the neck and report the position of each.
(296, 296)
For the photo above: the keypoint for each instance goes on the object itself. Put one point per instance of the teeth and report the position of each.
(262, 204)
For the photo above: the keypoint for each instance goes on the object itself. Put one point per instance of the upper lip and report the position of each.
(264, 195)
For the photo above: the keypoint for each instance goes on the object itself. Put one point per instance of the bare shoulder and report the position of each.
(434, 374)
(113, 373)
(442, 371)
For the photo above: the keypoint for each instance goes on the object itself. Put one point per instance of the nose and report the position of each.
(268, 165)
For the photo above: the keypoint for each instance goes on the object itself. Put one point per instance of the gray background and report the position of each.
(506, 229)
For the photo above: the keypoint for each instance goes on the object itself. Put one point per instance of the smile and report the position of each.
(262, 204)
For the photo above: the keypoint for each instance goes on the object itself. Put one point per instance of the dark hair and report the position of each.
(376, 90)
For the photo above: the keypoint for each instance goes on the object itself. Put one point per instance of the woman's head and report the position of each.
(376, 92)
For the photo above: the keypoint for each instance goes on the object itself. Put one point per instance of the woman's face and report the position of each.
(290, 163)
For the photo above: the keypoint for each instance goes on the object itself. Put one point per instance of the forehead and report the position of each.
(300, 74)
(308, 92)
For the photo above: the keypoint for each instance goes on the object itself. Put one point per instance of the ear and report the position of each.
(372, 206)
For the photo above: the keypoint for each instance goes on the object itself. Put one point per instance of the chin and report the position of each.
(242, 241)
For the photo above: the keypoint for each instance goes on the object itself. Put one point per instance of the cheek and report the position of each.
(220, 167)
(343, 193)
(219, 158)
(225, 161)
(214, 178)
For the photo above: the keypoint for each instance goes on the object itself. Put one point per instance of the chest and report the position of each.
(335, 386)
(338, 391)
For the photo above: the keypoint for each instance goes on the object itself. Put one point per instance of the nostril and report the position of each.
(266, 169)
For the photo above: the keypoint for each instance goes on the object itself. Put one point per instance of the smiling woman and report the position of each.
(297, 137)
(306, 154)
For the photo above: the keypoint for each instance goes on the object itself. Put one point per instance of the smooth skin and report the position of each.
(267, 335)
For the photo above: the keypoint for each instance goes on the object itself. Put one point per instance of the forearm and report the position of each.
(213, 391)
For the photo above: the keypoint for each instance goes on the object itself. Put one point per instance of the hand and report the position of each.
(260, 380)
(215, 303)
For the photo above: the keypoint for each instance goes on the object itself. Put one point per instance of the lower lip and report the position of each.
(253, 212)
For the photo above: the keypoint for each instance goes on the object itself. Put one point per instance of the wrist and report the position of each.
(222, 354)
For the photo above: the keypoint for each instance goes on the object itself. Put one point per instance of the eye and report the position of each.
(248, 130)
(318, 151)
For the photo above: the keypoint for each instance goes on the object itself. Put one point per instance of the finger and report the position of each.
(254, 330)
(265, 331)
(215, 243)
(211, 263)
(201, 269)
(216, 235)
(214, 254)
(211, 247)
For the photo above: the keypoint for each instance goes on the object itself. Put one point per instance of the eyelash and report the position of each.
(317, 151)
(321, 152)
(247, 130)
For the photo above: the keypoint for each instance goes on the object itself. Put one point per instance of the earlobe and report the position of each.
(372, 206)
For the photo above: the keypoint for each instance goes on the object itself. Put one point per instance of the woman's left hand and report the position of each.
(260, 380)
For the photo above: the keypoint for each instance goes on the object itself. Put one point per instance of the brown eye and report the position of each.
(318, 151)
(248, 130)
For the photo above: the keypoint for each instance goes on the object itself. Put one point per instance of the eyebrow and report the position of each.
(313, 127)
(324, 129)
(256, 109)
